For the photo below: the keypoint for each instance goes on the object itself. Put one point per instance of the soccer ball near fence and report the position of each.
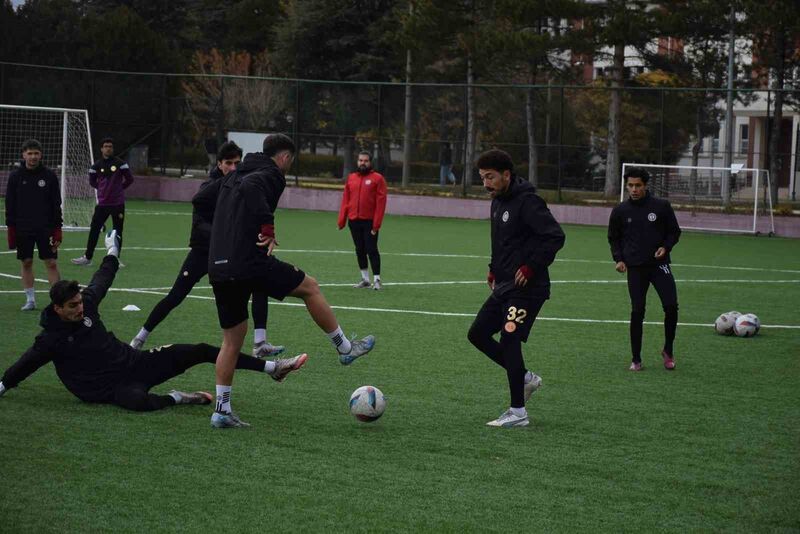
(747, 325)
(725, 323)
(367, 404)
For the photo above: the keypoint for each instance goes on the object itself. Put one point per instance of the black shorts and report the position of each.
(511, 316)
(232, 296)
(41, 238)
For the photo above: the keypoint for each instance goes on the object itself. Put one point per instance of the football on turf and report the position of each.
(367, 404)
(747, 325)
(725, 323)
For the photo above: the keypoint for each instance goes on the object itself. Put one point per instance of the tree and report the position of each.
(775, 32)
(610, 27)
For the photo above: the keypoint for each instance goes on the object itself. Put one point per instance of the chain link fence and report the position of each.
(557, 135)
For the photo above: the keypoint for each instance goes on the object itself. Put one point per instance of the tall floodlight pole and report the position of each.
(728, 159)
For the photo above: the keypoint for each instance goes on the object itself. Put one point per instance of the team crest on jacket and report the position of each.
(368, 182)
(87, 321)
(651, 217)
(505, 216)
(113, 168)
(40, 183)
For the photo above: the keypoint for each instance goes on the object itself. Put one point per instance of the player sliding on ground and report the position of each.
(642, 231)
(195, 266)
(240, 261)
(525, 239)
(97, 367)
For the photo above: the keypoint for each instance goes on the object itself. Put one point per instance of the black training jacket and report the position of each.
(524, 232)
(33, 199)
(203, 214)
(88, 359)
(637, 228)
(246, 199)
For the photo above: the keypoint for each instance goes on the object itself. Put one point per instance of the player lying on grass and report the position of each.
(97, 367)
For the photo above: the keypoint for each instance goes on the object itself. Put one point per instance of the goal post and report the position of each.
(66, 149)
(731, 199)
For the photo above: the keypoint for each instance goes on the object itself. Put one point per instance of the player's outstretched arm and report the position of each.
(30, 362)
(96, 291)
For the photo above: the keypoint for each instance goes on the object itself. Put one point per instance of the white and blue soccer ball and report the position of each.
(725, 323)
(747, 325)
(367, 404)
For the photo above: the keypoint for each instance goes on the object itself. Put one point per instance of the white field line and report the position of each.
(463, 256)
(410, 312)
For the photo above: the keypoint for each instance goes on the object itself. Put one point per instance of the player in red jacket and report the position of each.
(363, 206)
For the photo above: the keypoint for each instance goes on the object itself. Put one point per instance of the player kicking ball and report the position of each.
(525, 239)
(97, 367)
(240, 262)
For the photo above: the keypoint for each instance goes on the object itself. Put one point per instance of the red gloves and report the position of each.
(56, 237)
(267, 230)
(12, 237)
(526, 271)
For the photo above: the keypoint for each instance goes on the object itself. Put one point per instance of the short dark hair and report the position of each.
(636, 172)
(31, 144)
(275, 143)
(228, 150)
(106, 140)
(64, 290)
(496, 159)
(365, 153)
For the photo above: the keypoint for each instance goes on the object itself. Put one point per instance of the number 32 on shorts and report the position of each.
(515, 316)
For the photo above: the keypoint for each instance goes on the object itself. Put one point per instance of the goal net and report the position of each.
(716, 199)
(66, 150)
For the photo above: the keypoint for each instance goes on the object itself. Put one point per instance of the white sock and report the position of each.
(223, 399)
(365, 275)
(377, 278)
(269, 367)
(142, 335)
(339, 341)
(519, 412)
(175, 395)
(528, 377)
(260, 335)
(30, 294)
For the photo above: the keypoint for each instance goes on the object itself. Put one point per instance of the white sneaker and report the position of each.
(531, 387)
(285, 366)
(508, 420)
(112, 243)
(362, 284)
(137, 343)
(83, 260)
(29, 306)
(377, 285)
(265, 350)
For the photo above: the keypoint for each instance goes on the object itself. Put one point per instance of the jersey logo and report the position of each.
(629, 219)
(87, 322)
(113, 168)
(651, 217)
(368, 182)
(40, 183)
(505, 216)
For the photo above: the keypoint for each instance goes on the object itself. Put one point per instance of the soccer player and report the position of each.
(363, 206)
(195, 266)
(642, 231)
(111, 177)
(33, 216)
(525, 239)
(240, 261)
(97, 367)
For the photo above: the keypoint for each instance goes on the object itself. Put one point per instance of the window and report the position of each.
(744, 138)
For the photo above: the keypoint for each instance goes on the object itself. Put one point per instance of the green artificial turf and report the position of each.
(714, 445)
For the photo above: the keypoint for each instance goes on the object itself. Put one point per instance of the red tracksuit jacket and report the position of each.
(364, 198)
